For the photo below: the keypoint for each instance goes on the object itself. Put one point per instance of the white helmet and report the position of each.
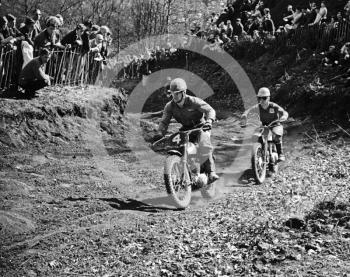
(264, 92)
(178, 84)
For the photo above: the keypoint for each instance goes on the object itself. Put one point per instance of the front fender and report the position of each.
(258, 138)
(174, 152)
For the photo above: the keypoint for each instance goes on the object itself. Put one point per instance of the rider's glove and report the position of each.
(283, 118)
(157, 137)
(207, 125)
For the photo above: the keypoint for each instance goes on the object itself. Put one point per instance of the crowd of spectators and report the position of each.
(29, 37)
(251, 20)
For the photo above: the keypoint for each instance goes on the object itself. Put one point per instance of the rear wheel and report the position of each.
(178, 188)
(259, 163)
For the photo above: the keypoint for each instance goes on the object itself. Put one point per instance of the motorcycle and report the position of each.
(264, 158)
(182, 169)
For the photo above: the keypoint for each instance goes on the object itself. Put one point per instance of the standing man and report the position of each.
(190, 112)
(37, 26)
(33, 77)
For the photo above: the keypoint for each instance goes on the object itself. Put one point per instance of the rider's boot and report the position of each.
(279, 149)
(213, 177)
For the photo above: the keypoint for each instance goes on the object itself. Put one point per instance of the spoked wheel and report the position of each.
(259, 163)
(178, 188)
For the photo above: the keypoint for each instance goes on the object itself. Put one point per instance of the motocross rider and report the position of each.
(269, 112)
(191, 111)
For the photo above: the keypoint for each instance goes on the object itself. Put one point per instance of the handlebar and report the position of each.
(255, 125)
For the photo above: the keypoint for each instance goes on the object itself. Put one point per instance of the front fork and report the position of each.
(185, 175)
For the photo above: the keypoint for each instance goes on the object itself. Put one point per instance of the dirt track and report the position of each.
(80, 203)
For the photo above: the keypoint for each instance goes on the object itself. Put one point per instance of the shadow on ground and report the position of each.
(152, 205)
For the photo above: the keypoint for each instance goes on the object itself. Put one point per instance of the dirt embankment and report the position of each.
(58, 115)
(51, 147)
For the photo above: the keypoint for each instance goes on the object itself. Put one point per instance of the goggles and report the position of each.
(263, 98)
(176, 92)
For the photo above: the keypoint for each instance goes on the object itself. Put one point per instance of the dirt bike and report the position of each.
(183, 171)
(264, 153)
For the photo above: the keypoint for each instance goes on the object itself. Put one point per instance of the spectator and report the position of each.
(222, 18)
(347, 9)
(303, 21)
(339, 19)
(95, 29)
(297, 16)
(27, 45)
(257, 12)
(230, 12)
(312, 14)
(238, 28)
(96, 44)
(321, 15)
(5, 37)
(225, 39)
(48, 38)
(229, 30)
(256, 25)
(60, 18)
(345, 54)
(27, 30)
(267, 24)
(222, 28)
(37, 26)
(213, 18)
(73, 39)
(85, 37)
(13, 31)
(58, 31)
(288, 18)
(247, 6)
(33, 77)
(331, 57)
(235, 39)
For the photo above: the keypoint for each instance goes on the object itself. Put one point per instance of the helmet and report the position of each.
(178, 84)
(264, 92)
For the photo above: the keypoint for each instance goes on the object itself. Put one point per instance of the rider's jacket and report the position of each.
(272, 113)
(193, 112)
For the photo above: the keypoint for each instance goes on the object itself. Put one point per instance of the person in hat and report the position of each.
(269, 112)
(191, 111)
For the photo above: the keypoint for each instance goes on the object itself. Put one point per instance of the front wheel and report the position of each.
(259, 163)
(177, 187)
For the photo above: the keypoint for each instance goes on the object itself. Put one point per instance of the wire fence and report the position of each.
(318, 37)
(66, 67)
